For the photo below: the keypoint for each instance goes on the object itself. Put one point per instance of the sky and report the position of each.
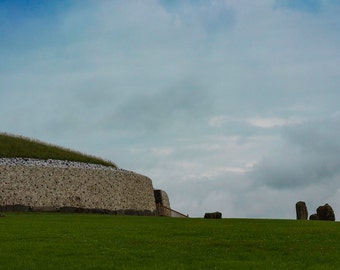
(227, 105)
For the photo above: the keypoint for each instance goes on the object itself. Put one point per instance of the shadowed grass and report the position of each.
(71, 241)
(15, 146)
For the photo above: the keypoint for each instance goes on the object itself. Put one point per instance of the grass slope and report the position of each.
(61, 241)
(15, 146)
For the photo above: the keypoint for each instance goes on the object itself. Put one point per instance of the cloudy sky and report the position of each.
(227, 105)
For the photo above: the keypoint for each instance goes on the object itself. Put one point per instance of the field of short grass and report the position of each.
(88, 241)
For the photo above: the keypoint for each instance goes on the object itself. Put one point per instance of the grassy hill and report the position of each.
(15, 146)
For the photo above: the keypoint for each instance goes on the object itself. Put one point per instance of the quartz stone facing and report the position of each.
(54, 184)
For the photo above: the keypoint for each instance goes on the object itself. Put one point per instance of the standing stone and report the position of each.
(301, 210)
(325, 212)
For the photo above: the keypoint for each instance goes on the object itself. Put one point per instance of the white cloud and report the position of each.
(261, 122)
(272, 122)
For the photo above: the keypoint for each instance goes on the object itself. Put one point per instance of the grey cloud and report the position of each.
(321, 137)
(308, 156)
(181, 104)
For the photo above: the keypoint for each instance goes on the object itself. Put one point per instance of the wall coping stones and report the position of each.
(53, 163)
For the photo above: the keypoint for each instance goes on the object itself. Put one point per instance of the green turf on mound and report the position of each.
(16, 146)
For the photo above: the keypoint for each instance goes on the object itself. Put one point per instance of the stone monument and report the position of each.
(301, 210)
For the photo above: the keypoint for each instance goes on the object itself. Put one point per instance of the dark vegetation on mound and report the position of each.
(16, 146)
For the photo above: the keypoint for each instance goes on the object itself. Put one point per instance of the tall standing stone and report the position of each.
(301, 210)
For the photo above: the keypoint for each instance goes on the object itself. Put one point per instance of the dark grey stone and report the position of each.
(325, 212)
(301, 210)
(314, 217)
(215, 215)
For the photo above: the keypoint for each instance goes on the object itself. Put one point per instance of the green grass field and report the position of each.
(15, 146)
(77, 241)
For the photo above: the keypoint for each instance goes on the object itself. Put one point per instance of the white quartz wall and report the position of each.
(55, 184)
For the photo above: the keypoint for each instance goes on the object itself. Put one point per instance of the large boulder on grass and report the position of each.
(301, 210)
(325, 212)
(216, 215)
(314, 217)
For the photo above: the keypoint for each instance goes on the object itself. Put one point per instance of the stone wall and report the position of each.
(162, 198)
(52, 187)
(162, 203)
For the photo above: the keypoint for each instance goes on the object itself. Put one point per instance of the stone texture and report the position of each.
(314, 217)
(15, 208)
(325, 212)
(162, 198)
(216, 215)
(301, 210)
(29, 187)
(162, 203)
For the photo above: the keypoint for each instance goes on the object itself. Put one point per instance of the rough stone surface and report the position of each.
(325, 212)
(216, 215)
(301, 210)
(162, 203)
(314, 217)
(33, 185)
(162, 198)
(51, 163)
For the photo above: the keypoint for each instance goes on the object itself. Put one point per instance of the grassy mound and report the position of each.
(16, 146)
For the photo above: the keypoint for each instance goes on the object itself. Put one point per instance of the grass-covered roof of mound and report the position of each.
(20, 147)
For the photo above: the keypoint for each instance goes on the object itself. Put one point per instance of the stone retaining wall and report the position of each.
(53, 187)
